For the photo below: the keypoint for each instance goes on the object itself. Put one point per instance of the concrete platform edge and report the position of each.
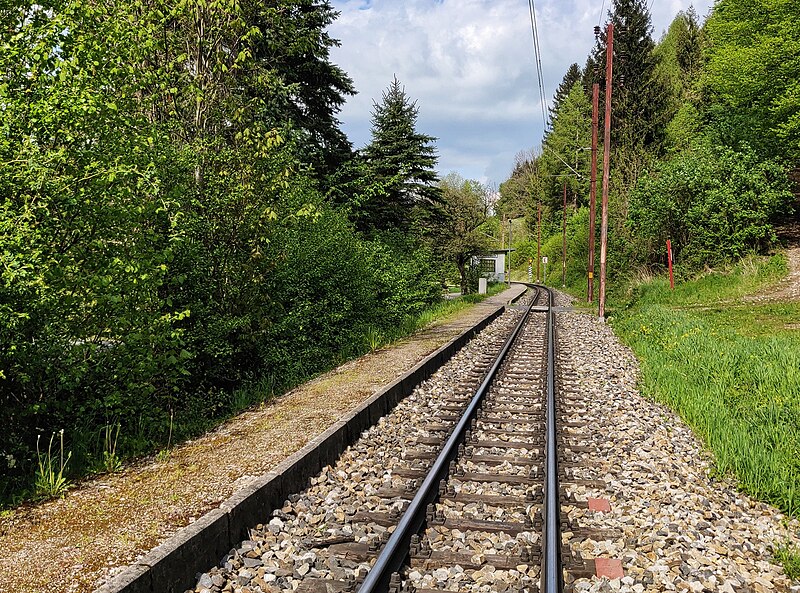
(173, 566)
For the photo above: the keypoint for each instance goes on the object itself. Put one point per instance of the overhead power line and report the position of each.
(600, 18)
(538, 57)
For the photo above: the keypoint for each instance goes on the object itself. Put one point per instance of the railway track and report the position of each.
(456, 489)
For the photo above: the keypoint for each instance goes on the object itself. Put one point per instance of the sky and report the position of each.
(469, 65)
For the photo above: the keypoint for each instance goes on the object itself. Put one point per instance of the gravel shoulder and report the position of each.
(105, 523)
(681, 527)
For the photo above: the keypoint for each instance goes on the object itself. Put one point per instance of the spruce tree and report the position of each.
(402, 160)
(564, 158)
(295, 44)
(638, 95)
(572, 76)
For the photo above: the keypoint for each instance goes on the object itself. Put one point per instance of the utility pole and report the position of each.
(510, 229)
(564, 241)
(503, 235)
(606, 170)
(539, 242)
(593, 187)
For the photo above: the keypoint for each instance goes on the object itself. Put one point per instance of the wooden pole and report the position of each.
(593, 187)
(539, 243)
(606, 171)
(564, 241)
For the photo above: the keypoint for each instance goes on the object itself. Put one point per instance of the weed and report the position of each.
(789, 557)
(111, 461)
(165, 453)
(49, 482)
(373, 338)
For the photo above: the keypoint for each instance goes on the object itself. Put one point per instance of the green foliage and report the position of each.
(640, 99)
(521, 189)
(577, 248)
(789, 557)
(459, 236)
(712, 288)
(111, 461)
(50, 479)
(296, 44)
(404, 158)
(564, 156)
(715, 204)
(737, 388)
(572, 76)
(164, 241)
(750, 79)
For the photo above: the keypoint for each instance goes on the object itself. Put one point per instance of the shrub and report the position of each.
(714, 203)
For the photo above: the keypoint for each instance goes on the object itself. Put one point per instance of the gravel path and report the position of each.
(682, 530)
(788, 288)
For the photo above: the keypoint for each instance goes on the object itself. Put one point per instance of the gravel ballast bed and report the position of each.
(682, 530)
(284, 550)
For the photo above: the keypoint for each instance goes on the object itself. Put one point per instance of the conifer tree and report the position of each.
(564, 158)
(403, 160)
(639, 96)
(572, 76)
(296, 45)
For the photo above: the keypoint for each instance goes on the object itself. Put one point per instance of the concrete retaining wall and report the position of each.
(172, 567)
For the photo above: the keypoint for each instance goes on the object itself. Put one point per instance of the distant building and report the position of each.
(492, 265)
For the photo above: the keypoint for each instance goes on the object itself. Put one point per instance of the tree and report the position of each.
(564, 155)
(572, 76)
(465, 206)
(639, 99)
(714, 203)
(403, 158)
(679, 55)
(294, 43)
(750, 81)
(516, 191)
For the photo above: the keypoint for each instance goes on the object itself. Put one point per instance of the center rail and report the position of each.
(394, 554)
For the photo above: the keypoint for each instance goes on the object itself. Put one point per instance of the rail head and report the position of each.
(552, 578)
(393, 555)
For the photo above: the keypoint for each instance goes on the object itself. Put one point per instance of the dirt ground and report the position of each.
(788, 289)
(105, 523)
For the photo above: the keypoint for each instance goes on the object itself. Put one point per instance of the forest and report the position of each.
(705, 143)
(186, 229)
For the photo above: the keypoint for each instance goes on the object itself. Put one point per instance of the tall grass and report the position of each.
(735, 385)
(711, 287)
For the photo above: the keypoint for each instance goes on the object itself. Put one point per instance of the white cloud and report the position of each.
(469, 65)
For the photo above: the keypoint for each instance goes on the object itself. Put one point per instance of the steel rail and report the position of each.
(552, 575)
(394, 553)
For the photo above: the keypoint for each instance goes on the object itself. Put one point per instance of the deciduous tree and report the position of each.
(465, 206)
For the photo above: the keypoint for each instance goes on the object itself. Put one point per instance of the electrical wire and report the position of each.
(600, 18)
(650, 10)
(538, 58)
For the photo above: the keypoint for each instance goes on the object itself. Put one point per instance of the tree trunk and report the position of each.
(462, 269)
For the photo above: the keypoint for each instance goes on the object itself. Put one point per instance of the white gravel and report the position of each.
(682, 530)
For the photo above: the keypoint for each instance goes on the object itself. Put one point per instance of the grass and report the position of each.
(789, 557)
(50, 480)
(374, 339)
(731, 369)
(732, 372)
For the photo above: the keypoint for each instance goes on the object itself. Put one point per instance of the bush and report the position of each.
(714, 203)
